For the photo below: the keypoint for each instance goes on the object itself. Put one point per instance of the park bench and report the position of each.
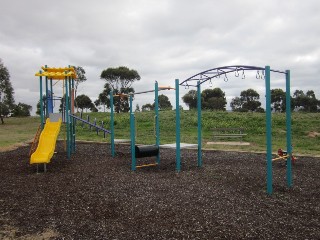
(226, 133)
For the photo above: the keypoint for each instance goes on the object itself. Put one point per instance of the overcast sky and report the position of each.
(162, 40)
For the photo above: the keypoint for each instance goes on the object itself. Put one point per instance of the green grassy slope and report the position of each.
(305, 129)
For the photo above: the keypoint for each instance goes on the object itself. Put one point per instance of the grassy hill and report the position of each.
(305, 129)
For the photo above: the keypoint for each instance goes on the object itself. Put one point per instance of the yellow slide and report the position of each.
(47, 142)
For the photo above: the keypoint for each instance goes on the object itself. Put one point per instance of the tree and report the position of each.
(84, 102)
(6, 92)
(190, 99)
(81, 77)
(119, 80)
(104, 98)
(21, 110)
(164, 103)
(305, 102)
(213, 99)
(137, 108)
(147, 107)
(248, 101)
(278, 100)
(236, 104)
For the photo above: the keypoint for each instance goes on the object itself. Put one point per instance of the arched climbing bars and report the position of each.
(239, 71)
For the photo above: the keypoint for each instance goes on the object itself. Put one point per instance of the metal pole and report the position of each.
(156, 104)
(41, 102)
(178, 155)
(47, 98)
(268, 132)
(67, 117)
(288, 126)
(112, 124)
(199, 124)
(132, 135)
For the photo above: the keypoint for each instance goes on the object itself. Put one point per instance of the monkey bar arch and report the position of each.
(263, 73)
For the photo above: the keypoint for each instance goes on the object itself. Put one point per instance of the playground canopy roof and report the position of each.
(57, 73)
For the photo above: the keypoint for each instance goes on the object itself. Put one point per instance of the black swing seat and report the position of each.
(146, 151)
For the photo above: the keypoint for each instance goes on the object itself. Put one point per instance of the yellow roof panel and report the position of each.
(56, 75)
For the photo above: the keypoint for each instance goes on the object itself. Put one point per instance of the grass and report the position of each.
(305, 127)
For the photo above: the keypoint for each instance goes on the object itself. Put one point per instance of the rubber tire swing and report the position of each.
(146, 151)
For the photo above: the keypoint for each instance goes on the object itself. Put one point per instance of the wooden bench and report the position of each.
(225, 133)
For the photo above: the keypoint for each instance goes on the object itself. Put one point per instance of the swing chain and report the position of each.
(243, 75)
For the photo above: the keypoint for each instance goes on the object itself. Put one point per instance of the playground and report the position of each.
(95, 196)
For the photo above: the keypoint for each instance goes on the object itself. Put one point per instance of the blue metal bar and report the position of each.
(156, 106)
(199, 125)
(89, 123)
(47, 98)
(288, 126)
(268, 132)
(132, 135)
(67, 117)
(178, 154)
(41, 102)
(112, 124)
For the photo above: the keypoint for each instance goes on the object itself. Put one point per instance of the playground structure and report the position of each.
(45, 141)
(68, 75)
(263, 73)
(142, 151)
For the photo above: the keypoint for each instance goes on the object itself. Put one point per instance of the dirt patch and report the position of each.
(94, 196)
(313, 134)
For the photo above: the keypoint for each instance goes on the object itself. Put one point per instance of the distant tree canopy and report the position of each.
(84, 102)
(247, 102)
(118, 80)
(211, 99)
(6, 92)
(305, 102)
(163, 101)
(21, 110)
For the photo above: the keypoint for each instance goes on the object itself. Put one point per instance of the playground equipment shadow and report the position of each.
(94, 196)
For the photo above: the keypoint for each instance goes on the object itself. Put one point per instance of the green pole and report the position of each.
(199, 124)
(112, 124)
(41, 102)
(288, 125)
(156, 104)
(268, 132)
(178, 154)
(73, 125)
(132, 135)
(67, 117)
(47, 103)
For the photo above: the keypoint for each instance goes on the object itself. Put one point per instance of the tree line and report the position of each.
(120, 80)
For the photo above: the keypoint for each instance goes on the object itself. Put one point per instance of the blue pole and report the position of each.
(41, 102)
(132, 135)
(112, 124)
(178, 154)
(47, 98)
(268, 132)
(199, 124)
(156, 104)
(288, 125)
(67, 117)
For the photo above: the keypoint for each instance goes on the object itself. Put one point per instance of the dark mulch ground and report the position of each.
(93, 196)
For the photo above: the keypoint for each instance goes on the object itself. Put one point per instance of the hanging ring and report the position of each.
(225, 78)
(243, 75)
(210, 83)
(237, 73)
(258, 75)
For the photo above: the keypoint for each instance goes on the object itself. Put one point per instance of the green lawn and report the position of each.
(305, 129)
